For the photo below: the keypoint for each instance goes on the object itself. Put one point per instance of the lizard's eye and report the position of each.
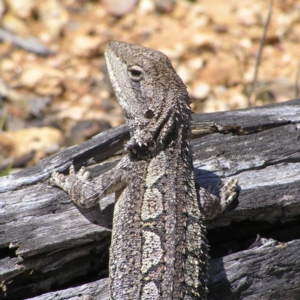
(135, 73)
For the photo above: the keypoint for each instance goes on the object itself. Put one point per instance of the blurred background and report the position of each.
(55, 90)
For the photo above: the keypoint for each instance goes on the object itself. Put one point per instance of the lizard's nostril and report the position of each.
(149, 114)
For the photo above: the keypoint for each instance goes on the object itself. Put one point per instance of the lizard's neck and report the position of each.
(170, 130)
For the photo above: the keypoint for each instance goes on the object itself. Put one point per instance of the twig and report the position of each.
(258, 58)
(3, 116)
(29, 44)
(297, 82)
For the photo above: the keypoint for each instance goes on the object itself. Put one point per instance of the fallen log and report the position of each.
(49, 245)
(267, 272)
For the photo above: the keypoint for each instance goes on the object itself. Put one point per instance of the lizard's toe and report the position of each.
(57, 179)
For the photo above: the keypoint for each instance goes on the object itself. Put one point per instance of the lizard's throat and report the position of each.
(150, 136)
(139, 133)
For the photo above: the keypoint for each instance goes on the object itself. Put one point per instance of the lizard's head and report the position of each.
(148, 90)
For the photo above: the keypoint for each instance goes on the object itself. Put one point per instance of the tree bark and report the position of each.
(47, 244)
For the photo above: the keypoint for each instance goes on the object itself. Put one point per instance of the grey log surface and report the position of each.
(51, 248)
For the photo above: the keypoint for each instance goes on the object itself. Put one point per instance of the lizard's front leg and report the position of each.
(213, 205)
(86, 192)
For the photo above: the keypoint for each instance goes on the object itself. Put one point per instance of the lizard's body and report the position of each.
(158, 248)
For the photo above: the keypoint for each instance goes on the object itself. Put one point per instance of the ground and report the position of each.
(62, 98)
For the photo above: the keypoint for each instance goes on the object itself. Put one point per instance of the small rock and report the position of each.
(248, 75)
(238, 101)
(174, 53)
(247, 17)
(146, 7)
(213, 105)
(119, 8)
(185, 73)
(204, 41)
(9, 66)
(31, 143)
(201, 21)
(196, 63)
(221, 69)
(86, 46)
(201, 91)
(2, 8)
(165, 6)
(15, 25)
(54, 16)
(74, 112)
(36, 105)
(21, 8)
(221, 28)
(285, 21)
(4, 90)
(245, 43)
(43, 80)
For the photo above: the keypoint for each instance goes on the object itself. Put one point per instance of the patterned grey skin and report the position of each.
(142, 85)
(158, 249)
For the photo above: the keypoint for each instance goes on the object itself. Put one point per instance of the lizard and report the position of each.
(158, 248)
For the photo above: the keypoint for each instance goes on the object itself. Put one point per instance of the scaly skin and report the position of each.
(158, 248)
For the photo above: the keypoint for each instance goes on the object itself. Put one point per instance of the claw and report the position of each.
(81, 172)
(87, 176)
(54, 174)
(72, 170)
(57, 179)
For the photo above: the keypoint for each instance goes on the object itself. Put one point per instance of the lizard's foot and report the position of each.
(213, 205)
(227, 192)
(76, 185)
(66, 182)
(82, 175)
(86, 192)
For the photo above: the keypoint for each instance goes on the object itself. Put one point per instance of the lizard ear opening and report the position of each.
(149, 114)
(135, 73)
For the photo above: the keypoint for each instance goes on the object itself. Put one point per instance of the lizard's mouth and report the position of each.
(141, 136)
(148, 134)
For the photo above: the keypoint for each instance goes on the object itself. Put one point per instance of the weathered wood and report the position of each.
(98, 289)
(47, 243)
(266, 272)
(271, 271)
(99, 148)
